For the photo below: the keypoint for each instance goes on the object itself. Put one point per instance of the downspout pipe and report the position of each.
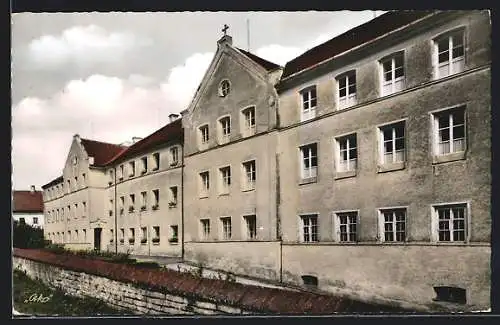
(182, 201)
(114, 213)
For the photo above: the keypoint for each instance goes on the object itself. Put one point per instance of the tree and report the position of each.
(26, 236)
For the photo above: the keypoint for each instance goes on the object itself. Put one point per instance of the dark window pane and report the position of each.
(342, 92)
(313, 92)
(305, 96)
(387, 134)
(458, 235)
(388, 217)
(389, 236)
(388, 146)
(343, 154)
(353, 153)
(352, 141)
(458, 51)
(399, 72)
(443, 44)
(314, 161)
(444, 135)
(400, 144)
(352, 89)
(400, 130)
(387, 66)
(399, 60)
(388, 227)
(313, 102)
(342, 83)
(458, 132)
(457, 39)
(458, 117)
(443, 57)
(343, 144)
(388, 76)
(352, 79)
(343, 220)
(444, 120)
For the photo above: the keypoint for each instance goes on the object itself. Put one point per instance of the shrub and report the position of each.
(26, 236)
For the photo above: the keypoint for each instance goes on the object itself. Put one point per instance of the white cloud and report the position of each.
(278, 54)
(184, 79)
(82, 45)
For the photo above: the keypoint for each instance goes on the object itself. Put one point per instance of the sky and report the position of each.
(114, 76)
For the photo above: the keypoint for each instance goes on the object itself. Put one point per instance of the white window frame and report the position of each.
(226, 228)
(435, 221)
(122, 172)
(224, 179)
(203, 140)
(350, 163)
(156, 198)
(310, 227)
(131, 166)
(249, 174)
(350, 99)
(156, 160)
(338, 225)
(204, 183)
(381, 143)
(453, 65)
(224, 129)
(396, 84)
(132, 201)
(306, 154)
(394, 222)
(248, 121)
(173, 196)
(174, 156)
(308, 106)
(435, 130)
(144, 162)
(144, 200)
(250, 232)
(224, 88)
(205, 229)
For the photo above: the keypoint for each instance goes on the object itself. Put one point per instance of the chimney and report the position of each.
(136, 139)
(173, 117)
(32, 189)
(77, 137)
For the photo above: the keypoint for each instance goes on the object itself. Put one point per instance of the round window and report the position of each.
(224, 88)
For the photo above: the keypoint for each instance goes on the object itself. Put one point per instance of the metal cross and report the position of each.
(226, 27)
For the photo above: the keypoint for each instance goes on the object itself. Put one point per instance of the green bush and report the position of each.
(26, 236)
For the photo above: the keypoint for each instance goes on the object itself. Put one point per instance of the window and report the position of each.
(131, 167)
(84, 205)
(347, 226)
(122, 204)
(83, 179)
(205, 228)
(309, 161)
(22, 220)
(111, 236)
(392, 143)
(131, 239)
(69, 213)
(225, 179)
(122, 236)
(77, 237)
(111, 207)
(173, 197)
(175, 234)
(156, 161)
(224, 129)
(393, 225)
(76, 183)
(449, 131)
(69, 236)
(132, 203)
(248, 125)
(224, 88)
(75, 160)
(69, 185)
(35, 220)
(451, 222)
(204, 184)
(144, 161)
(450, 55)
(143, 201)
(121, 173)
(76, 211)
(309, 228)
(156, 198)
(204, 136)
(84, 235)
(144, 235)
(174, 156)
(346, 153)
(226, 228)
(249, 175)
(251, 226)
(156, 235)
(393, 74)
(347, 89)
(309, 102)
(111, 177)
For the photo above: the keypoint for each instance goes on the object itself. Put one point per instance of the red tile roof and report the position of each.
(27, 201)
(352, 38)
(268, 65)
(172, 132)
(101, 151)
(53, 182)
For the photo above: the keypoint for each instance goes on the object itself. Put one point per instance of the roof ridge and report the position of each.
(249, 54)
(114, 144)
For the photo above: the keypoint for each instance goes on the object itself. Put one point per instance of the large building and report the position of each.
(361, 167)
(27, 207)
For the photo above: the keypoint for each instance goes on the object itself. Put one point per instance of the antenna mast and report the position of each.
(248, 34)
